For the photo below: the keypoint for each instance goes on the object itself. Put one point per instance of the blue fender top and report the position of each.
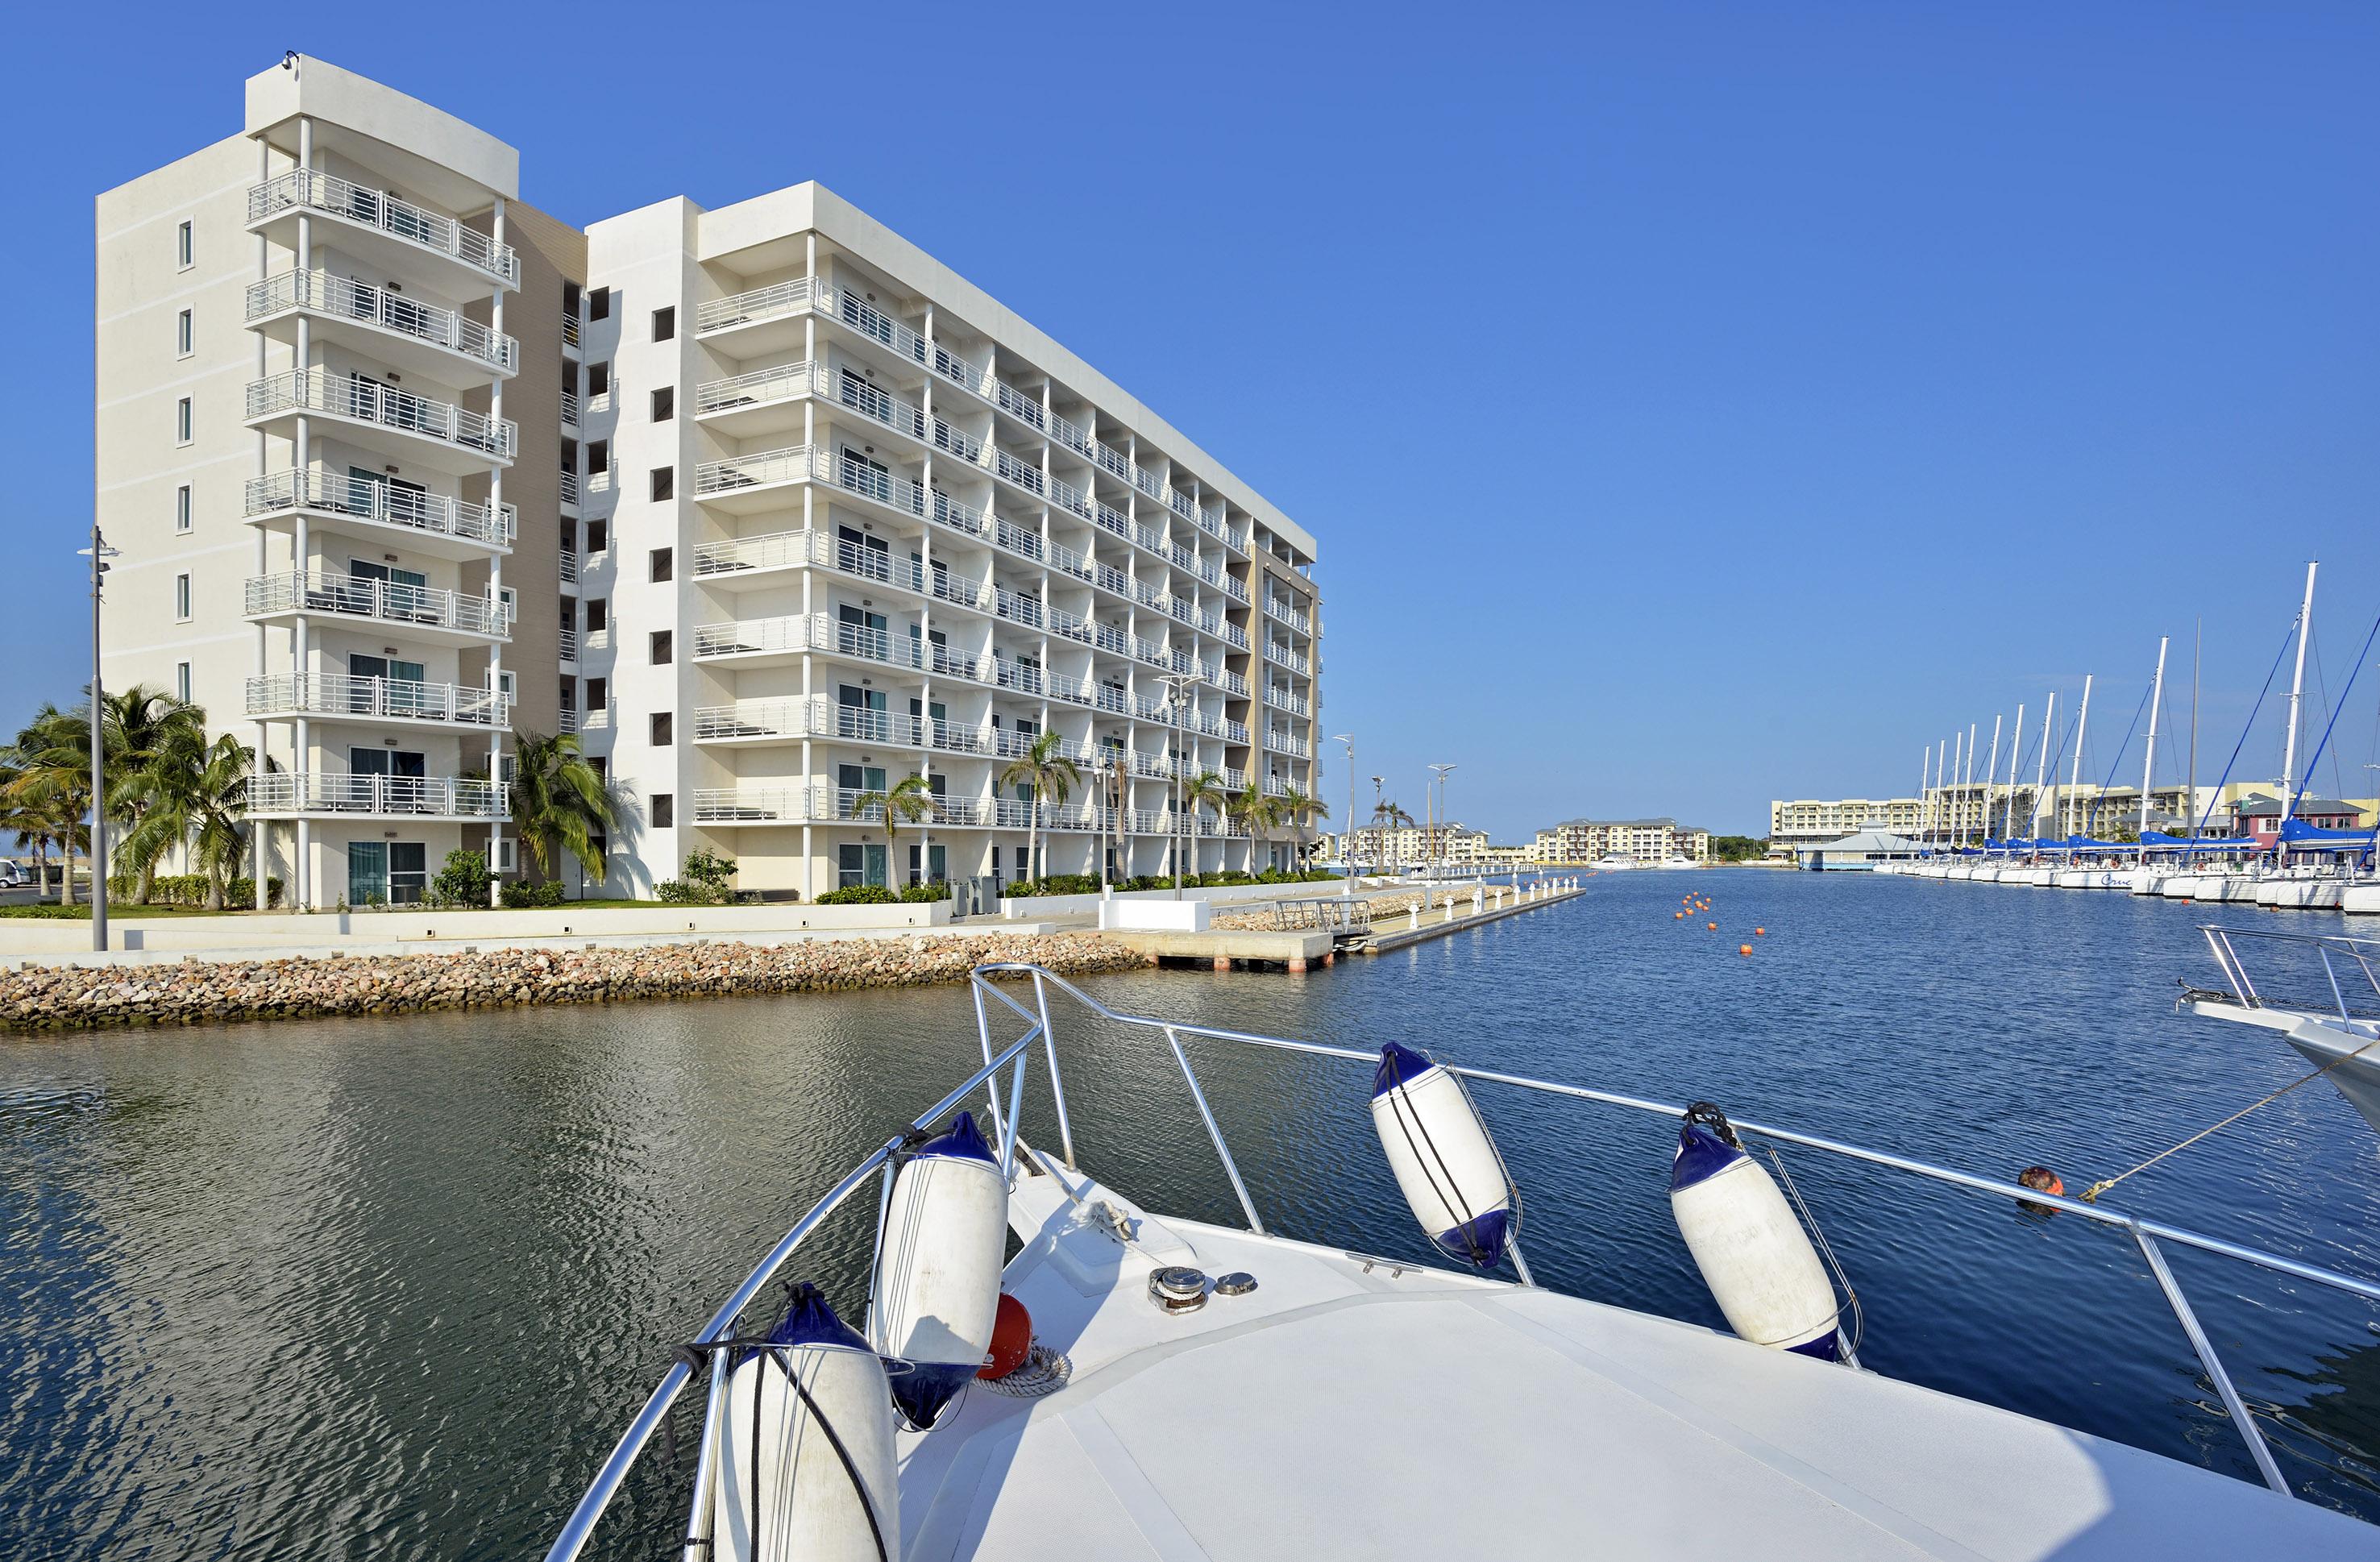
(962, 1143)
(1399, 1065)
(811, 1320)
(1701, 1155)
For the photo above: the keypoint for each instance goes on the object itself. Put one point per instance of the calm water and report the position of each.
(389, 1288)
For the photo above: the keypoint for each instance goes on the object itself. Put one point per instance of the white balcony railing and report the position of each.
(316, 190)
(570, 408)
(566, 640)
(569, 487)
(1296, 618)
(566, 567)
(338, 296)
(370, 500)
(300, 390)
(570, 331)
(1281, 699)
(805, 294)
(288, 792)
(565, 719)
(384, 601)
(343, 694)
(750, 309)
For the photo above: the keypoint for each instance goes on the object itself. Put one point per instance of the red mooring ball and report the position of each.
(1011, 1338)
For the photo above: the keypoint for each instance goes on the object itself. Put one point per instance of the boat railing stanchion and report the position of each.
(1057, 1089)
(2212, 1362)
(1520, 1265)
(983, 1034)
(1230, 1168)
(1016, 1120)
(702, 1521)
(2336, 996)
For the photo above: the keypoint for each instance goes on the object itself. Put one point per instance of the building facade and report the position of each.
(822, 516)
(1409, 845)
(1650, 841)
(1804, 819)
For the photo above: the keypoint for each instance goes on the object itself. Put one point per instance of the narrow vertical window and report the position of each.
(664, 404)
(182, 597)
(182, 508)
(661, 564)
(599, 303)
(182, 422)
(665, 810)
(660, 643)
(185, 335)
(186, 246)
(182, 682)
(664, 481)
(666, 323)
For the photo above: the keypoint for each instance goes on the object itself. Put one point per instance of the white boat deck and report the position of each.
(1305, 1420)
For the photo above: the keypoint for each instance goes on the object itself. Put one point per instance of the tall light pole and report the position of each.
(1177, 688)
(1347, 857)
(99, 552)
(1436, 844)
(1378, 804)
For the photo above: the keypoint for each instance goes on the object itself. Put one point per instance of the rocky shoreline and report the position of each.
(195, 992)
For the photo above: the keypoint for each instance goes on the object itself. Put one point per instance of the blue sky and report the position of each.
(1695, 403)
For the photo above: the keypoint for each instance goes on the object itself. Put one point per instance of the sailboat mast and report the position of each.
(1950, 796)
(1966, 785)
(2082, 726)
(2197, 655)
(1926, 795)
(1991, 774)
(2297, 692)
(2148, 764)
(2016, 757)
(2041, 773)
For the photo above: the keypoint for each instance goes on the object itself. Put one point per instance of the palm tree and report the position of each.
(1387, 815)
(905, 802)
(156, 748)
(560, 803)
(1257, 809)
(1297, 810)
(20, 818)
(193, 795)
(52, 780)
(1050, 774)
(1203, 790)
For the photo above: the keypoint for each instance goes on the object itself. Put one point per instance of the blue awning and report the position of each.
(2297, 832)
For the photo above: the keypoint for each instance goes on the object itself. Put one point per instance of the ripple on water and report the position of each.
(393, 1286)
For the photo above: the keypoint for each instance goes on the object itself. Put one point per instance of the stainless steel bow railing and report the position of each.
(987, 991)
(2360, 957)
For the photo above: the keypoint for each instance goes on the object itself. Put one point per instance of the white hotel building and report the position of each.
(822, 516)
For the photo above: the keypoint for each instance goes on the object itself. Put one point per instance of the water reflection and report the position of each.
(390, 1288)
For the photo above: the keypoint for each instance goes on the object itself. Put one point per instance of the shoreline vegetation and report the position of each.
(53, 998)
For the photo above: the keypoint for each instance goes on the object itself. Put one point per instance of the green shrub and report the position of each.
(857, 895)
(677, 892)
(933, 891)
(461, 884)
(530, 897)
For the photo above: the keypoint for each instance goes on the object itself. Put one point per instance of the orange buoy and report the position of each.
(2041, 1179)
(1712, 925)
(1679, 914)
(1760, 932)
(1743, 949)
(1011, 1338)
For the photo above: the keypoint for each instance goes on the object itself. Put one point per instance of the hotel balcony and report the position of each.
(1296, 618)
(394, 234)
(1281, 699)
(570, 409)
(566, 643)
(446, 528)
(437, 434)
(284, 794)
(764, 806)
(767, 320)
(566, 567)
(387, 327)
(342, 696)
(423, 613)
(772, 641)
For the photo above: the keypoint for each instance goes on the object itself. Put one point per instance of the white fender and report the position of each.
(805, 1507)
(937, 1283)
(1753, 1253)
(1445, 1162)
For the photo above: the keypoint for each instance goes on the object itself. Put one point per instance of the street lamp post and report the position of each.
(1177, 688)
(99, 553)
(1347, 857)
(1436, 843)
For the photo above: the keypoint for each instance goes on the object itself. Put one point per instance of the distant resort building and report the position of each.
(1648, 841)
(1405, 844)
(1806, 819)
